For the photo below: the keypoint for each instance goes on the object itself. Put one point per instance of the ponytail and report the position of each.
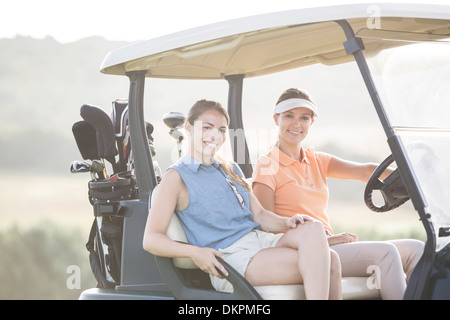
(229, 171)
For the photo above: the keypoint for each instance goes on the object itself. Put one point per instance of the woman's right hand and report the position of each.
(344, 237)
(205, 259)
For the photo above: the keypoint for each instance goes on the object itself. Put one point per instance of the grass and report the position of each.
(46, 222)
(30, 199)
(399, 223)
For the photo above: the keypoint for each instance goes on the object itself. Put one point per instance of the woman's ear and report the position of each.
(187, 127)
(275, 118)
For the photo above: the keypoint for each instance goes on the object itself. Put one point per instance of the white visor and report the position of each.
(289, 104)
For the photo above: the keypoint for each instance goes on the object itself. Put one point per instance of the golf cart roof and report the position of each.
(269, 43)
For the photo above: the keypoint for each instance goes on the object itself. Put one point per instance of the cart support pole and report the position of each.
(143, 162)
(237, 134)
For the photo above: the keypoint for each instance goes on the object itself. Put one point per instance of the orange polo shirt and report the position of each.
(299, 187)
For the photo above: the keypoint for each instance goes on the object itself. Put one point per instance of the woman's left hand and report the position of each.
(344, 237)
(297, 219)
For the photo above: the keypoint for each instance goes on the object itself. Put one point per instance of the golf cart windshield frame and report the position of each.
(355, 46)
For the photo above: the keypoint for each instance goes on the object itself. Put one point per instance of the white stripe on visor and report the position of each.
(289, 104)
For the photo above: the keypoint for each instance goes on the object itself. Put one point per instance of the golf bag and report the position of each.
(102, 137)
(105, 238)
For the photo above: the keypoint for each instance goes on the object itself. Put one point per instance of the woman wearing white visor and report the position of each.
(290, 179)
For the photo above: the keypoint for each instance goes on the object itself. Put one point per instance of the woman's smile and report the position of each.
(296, 133)
(210, 144)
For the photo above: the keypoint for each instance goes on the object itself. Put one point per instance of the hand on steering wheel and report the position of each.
(392, 188)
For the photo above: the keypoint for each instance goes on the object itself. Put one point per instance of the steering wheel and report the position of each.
(392, 188)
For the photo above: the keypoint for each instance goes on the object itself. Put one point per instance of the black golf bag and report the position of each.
(101, 137)
(105, 238)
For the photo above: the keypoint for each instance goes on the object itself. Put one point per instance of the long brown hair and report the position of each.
(196, 111)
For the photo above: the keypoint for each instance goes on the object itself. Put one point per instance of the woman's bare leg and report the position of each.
(313, 258)
(301, 256)
(335, 277)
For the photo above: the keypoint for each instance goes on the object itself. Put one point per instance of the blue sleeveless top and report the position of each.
(214, 217)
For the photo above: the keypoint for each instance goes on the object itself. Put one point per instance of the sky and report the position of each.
(135, 20)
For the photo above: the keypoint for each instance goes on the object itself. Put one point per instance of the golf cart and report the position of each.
(403, 56)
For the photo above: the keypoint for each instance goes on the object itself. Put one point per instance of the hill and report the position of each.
(42, 85)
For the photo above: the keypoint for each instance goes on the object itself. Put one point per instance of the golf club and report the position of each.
(80, 166)
(175, 120)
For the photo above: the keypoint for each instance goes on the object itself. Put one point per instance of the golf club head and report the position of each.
(85, 137)
(174, 120)
(119, 117)
(176, 134)
(105, 135)
(149, 129)
(97, 166)
(80, 166)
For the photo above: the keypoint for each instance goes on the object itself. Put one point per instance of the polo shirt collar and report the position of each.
(284, 159)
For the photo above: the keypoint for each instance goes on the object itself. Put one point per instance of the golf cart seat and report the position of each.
(188, 282)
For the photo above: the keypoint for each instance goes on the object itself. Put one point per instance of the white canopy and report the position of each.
(270, 43)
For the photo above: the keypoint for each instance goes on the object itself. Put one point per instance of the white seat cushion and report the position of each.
(176, 232)
(353, 288)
